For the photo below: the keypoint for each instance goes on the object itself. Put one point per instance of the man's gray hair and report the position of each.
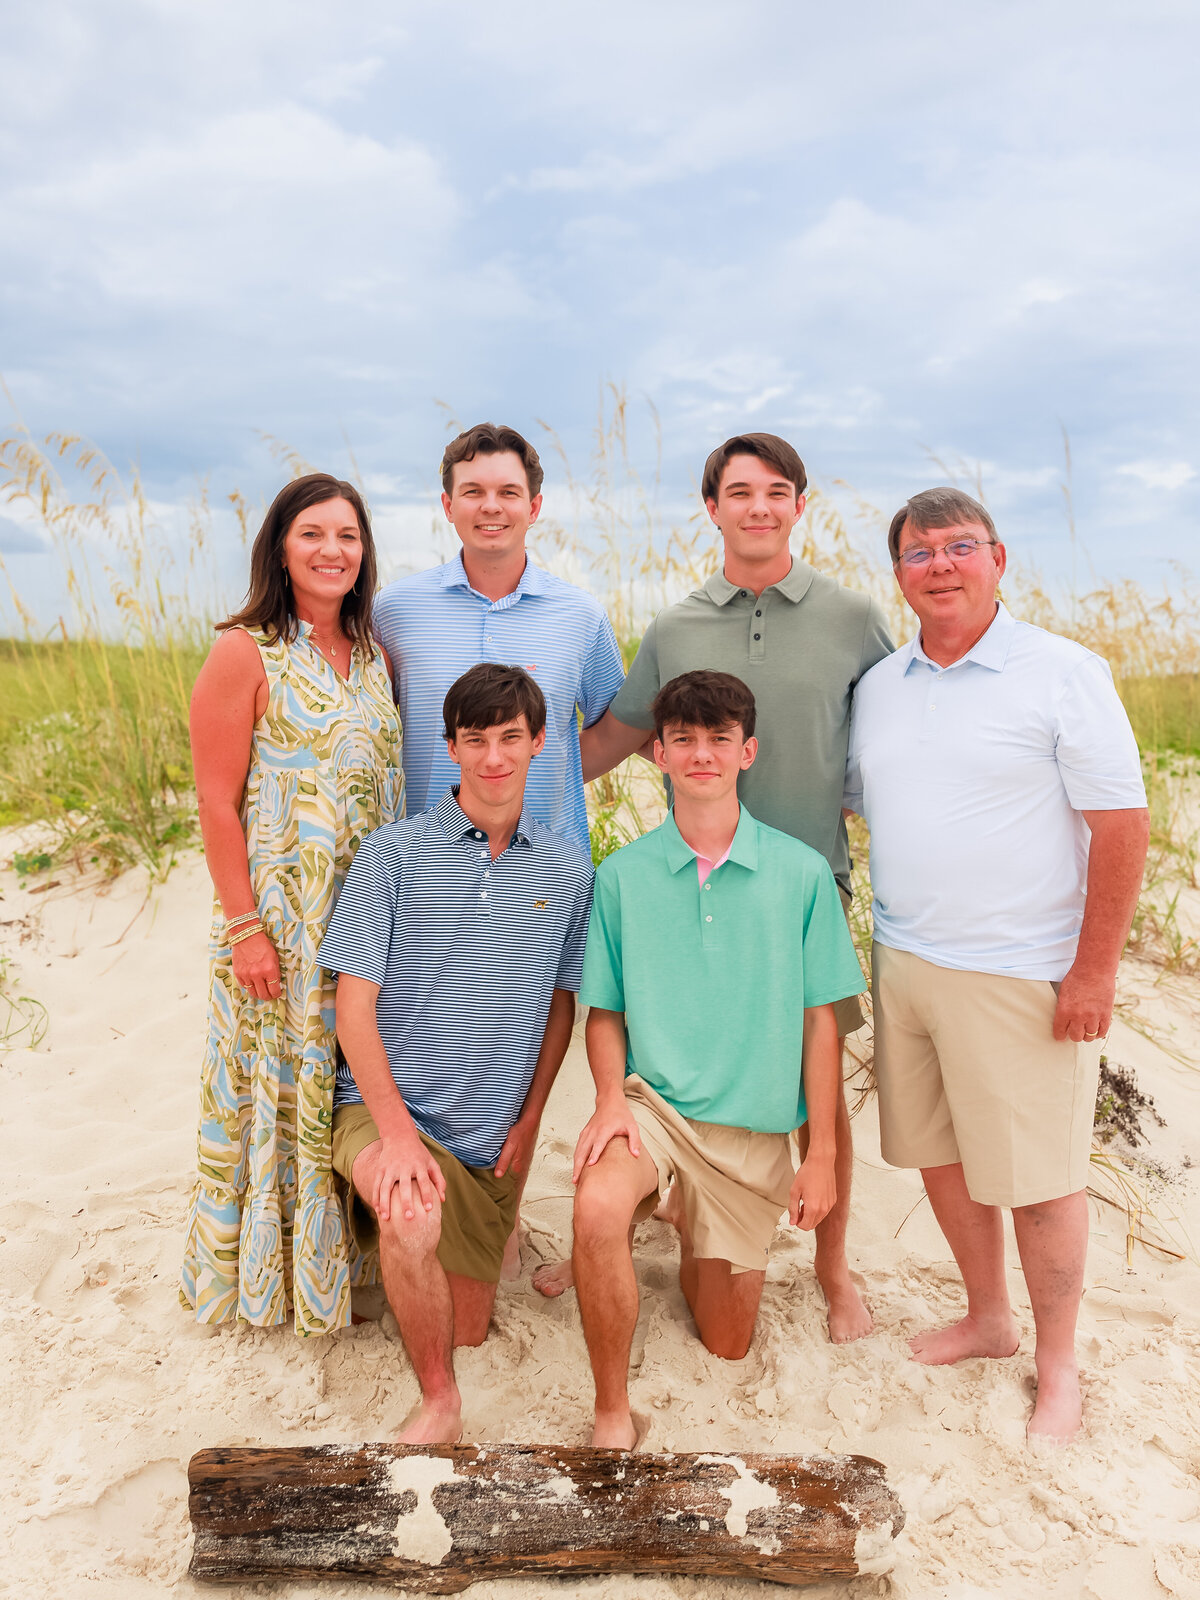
(936, 508)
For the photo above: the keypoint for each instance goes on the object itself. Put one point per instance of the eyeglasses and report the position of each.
(920, 555)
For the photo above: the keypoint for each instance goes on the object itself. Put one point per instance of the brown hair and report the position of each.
(489, 694)
(936, 508)
(704, 700)
(270, 603)
(768, 447)
(486, 439)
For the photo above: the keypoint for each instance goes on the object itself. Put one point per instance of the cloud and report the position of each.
(1159, 474)
(18, 539)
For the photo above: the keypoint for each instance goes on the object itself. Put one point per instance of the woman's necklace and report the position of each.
(329, 649)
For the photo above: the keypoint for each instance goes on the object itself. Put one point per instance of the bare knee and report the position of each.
(601, 1218)
(414, 1239)
(730, 1345)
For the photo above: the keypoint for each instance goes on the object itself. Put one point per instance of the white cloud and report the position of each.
(1159, 474)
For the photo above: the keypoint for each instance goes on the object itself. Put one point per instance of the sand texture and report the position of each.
(109, 1386)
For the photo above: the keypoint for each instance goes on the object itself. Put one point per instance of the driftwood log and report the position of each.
(440, 1517)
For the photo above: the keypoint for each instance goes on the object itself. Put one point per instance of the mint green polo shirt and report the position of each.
(799, 647)
(714, 981)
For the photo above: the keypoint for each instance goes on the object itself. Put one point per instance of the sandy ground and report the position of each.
(108, 1386)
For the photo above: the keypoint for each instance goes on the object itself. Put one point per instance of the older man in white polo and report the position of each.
(1000, 779)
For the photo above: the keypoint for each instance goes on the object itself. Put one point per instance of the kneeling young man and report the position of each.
(716, 951)
(459, 941)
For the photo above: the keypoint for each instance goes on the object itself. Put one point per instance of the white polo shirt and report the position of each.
(972, 779)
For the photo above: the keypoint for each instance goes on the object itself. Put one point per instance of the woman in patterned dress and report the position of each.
(296, 746)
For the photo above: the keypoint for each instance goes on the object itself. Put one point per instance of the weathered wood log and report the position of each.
(440, 1517)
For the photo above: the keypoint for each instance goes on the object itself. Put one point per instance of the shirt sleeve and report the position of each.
(603, 674)
(633, 702)
(1095, 748)
(570, 962)
(359, 936)
(877, 640)
(603, 974)
(831, 969)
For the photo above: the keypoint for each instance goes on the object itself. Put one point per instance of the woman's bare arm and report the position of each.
(229, 697)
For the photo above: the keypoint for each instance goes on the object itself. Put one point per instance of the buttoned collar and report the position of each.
(533, 580)
(457, 825)
(743, 850)
(793, 587)
(990, 651)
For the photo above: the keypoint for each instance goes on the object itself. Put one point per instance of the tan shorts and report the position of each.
(848, 1012)
(733, 1184)
(478, 1213)
(969, 1071)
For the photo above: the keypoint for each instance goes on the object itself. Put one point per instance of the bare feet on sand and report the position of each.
(1058, 1408)
(848, 1317)
(434, 1422)
(619, 1430)
(553, 1278)
(939, 1346)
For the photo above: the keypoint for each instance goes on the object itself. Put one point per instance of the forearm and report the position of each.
(555, 1042)
(358, 1035)
(225, 855)
(605, 1036)
(606, 744)
(822, 1080)
(1116, 859)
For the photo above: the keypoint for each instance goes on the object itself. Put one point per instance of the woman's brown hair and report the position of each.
(270, 604)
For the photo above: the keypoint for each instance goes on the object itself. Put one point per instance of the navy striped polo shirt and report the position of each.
(467, 952)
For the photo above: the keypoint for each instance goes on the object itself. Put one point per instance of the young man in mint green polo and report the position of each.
(716, 952)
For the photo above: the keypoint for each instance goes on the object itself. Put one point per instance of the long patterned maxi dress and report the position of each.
(266, 1231)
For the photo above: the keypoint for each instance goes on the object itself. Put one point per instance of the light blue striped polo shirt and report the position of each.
(434, 626)
(467, 952)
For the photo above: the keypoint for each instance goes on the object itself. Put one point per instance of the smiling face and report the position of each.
(755, 509)
(493, 762)
(948, 594)
(490, 505)
(322, 552)
(703, 763)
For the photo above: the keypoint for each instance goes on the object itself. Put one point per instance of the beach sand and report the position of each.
(108, 1386)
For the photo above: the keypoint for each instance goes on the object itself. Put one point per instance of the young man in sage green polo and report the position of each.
(716, 952)
(800, 642)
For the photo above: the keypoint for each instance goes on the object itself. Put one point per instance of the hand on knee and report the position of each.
(417, 1236)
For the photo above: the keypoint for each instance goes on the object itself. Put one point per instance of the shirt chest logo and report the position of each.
(539, 905)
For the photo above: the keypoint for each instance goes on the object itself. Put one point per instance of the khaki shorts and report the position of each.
(733, 1184)
(478, 1213)
(848, 1012)
(969, 1071)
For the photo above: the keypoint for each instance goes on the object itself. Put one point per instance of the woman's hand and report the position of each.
(256, 967)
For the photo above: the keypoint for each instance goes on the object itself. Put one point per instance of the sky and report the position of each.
(911, 239)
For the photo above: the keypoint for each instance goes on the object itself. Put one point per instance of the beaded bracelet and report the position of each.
(245, 933)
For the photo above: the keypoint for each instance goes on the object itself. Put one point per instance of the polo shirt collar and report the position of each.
(743, 850)
(533, 579)
(793, 587)
(990, 651)
(457, 825)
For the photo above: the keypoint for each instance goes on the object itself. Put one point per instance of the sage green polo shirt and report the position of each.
(714, 980)
(800, 648)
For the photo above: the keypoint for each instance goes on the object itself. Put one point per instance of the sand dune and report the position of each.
(108, 1386)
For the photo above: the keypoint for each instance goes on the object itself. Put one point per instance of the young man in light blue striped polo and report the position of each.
(490, 603)
(458, 938)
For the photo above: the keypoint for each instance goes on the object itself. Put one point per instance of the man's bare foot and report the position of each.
(619, 1430)
(553, 1278)
(847, 1317)
(940, 1346)
(434, 1422)
(1058, 1408)
(510, 1267)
